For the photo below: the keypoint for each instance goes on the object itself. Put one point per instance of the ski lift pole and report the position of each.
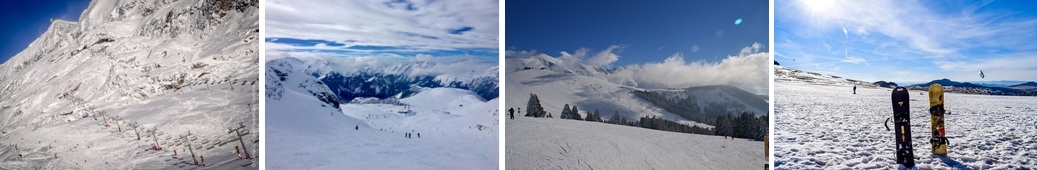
(241, 138)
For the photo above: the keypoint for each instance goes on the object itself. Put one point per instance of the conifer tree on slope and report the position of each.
(575, 113)
(531, 104)
(565, 112)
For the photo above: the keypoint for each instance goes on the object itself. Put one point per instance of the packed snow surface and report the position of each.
(825, 126)
(457, 131)
(546, 143)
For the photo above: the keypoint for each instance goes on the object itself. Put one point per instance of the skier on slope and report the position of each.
(357, 127)
(511, 112)
(854, 89)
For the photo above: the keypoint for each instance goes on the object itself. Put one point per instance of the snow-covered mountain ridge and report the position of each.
(352, 78)
(172, 67)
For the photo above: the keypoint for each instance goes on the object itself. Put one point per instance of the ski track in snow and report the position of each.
(827, 127)
(548, 143)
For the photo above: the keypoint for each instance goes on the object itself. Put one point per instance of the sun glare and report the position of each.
(818, 6)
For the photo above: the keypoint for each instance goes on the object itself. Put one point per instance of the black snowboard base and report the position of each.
(902, 123)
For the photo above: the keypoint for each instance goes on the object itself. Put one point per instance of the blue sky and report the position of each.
(908, 41)
(383, 27)
(25, 20)
(639, 31)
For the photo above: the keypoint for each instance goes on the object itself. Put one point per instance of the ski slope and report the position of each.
(458, 131)
(174, 68)
(545, 143)
(825, 126)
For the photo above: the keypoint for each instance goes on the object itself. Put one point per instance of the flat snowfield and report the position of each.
(549, 143)
(828, 127)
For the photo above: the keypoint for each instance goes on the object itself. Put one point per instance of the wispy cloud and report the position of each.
(937, 39)
(397, 25)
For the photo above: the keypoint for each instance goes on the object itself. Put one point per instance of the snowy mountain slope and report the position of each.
(826, 127)
(283, 77)
(557, 89)
(782, 73)
(740, 100)
(317, 130)
(177, 67)
(559, 85)
(460, 133)
(544, 62)
(535, 143)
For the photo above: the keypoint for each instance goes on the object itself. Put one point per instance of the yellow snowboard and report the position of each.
(936, 112)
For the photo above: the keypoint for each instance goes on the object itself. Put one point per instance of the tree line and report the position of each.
(743, 125)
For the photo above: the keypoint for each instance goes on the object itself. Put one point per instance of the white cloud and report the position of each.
(855, 60)
(604, 58)
(409, 24)
(916, 25)
(747, 70)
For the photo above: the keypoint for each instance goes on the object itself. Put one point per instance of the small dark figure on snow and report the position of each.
(511, 113)
(854, 89)
(419, 135)
(357, 127)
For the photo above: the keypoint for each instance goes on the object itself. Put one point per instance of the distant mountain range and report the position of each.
(1028, 88)
(1020, 88)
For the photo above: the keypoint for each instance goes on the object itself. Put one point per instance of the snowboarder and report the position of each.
(854, 89)
(511, 113)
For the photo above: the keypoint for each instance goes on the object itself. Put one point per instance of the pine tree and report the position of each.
(589, 117)
(529, 105)
(575, 113)
(565, 112)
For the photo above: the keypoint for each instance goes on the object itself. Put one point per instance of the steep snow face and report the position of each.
(384, 77)
(283, 77)
(827, 127)
(175, 67)
(536, 143)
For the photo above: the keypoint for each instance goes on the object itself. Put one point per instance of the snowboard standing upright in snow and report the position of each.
(939, 138)
(902, 127)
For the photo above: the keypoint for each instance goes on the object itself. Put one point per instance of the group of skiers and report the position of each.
(409, 135)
